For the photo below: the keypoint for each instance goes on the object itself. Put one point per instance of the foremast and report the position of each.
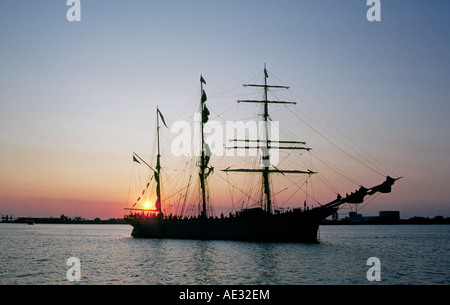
(266, 169)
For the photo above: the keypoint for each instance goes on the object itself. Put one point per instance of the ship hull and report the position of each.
(295, 226)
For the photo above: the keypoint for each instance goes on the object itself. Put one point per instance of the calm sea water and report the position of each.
(408, 254)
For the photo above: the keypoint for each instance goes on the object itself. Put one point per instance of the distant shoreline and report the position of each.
(65, 220)
(419, 221)
(375, 221)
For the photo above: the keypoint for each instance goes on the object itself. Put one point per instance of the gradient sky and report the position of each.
(76, 98)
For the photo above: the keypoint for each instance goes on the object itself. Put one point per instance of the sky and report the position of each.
(77, 98)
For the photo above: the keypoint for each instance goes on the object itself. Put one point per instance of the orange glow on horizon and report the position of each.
(150, 205)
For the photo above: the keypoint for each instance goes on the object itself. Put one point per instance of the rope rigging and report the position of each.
(184, 201)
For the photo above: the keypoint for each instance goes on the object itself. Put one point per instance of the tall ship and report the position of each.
(260, 221)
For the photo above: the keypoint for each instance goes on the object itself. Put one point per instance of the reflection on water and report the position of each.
(109, 255)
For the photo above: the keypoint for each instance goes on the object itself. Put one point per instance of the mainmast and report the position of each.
(203, 157)
(266, 169)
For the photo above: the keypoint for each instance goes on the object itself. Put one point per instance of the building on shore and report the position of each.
(390, 215)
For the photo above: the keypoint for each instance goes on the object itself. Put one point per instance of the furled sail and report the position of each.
(385, 187)
(357, 196)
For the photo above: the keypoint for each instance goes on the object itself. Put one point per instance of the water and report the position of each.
(408, 254)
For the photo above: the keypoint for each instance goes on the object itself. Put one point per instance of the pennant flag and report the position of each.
(202, 80)
(136, 160)
(208, 150)
(265, 73)
(204, 97)
(205, 114)
(162, 118)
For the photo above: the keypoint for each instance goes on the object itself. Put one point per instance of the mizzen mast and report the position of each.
(158, 165)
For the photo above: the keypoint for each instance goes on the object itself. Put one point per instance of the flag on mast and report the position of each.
(204, 97)
(205, 114)
(162, 118)
(202, 80)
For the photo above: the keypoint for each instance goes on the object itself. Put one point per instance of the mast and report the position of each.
(266, 155)
(158, 166)
(203, 162)
(157, 169)
(266, 170)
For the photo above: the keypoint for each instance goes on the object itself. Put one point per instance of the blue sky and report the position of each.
(77, 97)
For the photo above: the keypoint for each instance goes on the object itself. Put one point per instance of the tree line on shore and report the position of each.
(80, 220)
